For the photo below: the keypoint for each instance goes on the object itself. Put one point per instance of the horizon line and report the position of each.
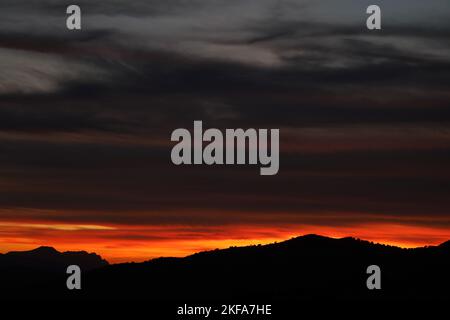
(234, 246)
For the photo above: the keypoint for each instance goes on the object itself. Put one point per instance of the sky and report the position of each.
(86, 118)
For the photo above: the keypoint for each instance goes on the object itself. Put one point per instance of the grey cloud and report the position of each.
(144, 68)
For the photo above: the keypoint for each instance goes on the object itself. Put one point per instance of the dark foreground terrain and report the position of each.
(304, 268)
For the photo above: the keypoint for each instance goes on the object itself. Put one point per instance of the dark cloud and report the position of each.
(141, 69)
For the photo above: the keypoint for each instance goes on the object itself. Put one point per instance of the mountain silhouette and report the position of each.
(310, 267)
(49, 259)
(33, 274)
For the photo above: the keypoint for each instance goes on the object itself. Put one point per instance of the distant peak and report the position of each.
(45, 249)
(313, 236)
(310, 237)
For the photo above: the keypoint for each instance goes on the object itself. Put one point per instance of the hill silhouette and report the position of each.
(38, 271)
(49, 259)
(309, 267)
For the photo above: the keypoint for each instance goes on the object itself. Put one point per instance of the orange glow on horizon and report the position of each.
(139, 243)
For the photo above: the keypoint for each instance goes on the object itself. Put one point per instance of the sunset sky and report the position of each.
(86, 118)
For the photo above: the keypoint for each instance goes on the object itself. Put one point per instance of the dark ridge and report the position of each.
(445, 244)
(310, 267)
(48, 259)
